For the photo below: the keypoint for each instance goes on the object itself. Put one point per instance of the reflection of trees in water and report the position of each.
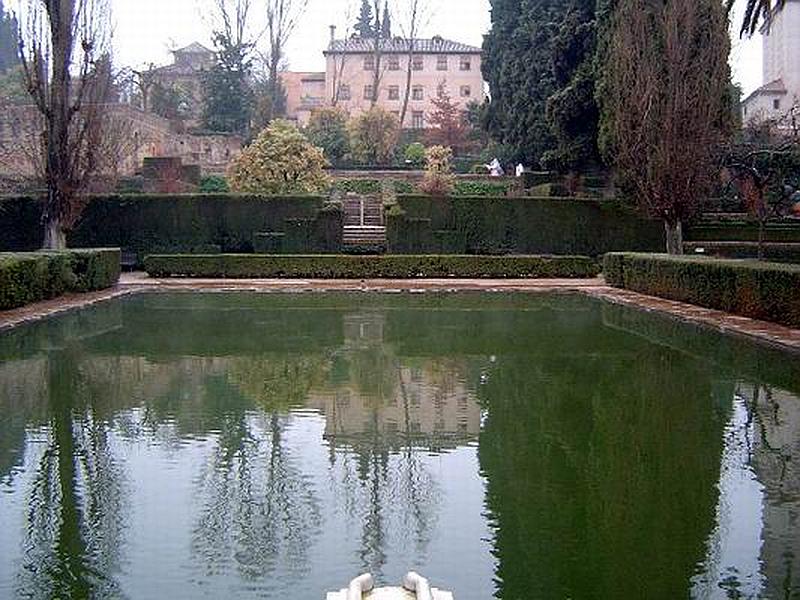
(259, 510)
(600, 473)
(77, 501)
(390, 494)
(773, 431)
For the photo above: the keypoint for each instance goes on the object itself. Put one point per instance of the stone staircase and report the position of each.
(363, 222)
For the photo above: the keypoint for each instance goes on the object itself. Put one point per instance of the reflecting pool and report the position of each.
(274, 446)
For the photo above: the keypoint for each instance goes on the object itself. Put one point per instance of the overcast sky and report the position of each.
(145, 30)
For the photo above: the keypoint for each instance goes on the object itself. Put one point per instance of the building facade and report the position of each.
(356, 66)
(186, 74)
(781, 68)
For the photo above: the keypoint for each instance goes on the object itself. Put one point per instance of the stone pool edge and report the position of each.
(769, 334)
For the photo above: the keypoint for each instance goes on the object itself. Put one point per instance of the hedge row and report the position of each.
(773, 251)
(30, 277)
(768, 291)
(369, 267)
(148, 224)
(732, 231)
(483, 225)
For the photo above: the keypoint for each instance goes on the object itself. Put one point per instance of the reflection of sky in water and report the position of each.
(733, 562)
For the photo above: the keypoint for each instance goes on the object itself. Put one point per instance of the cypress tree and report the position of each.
(8, 40)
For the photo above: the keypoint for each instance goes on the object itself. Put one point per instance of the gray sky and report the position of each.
(145, 30)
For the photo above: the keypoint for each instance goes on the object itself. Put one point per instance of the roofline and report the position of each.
(762, 92)
(474, 51)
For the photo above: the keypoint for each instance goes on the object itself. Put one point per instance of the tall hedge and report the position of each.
(145, 224)
(761, 290)
(519, 226)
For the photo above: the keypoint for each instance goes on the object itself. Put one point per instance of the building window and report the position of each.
(776, 104)
(418, 119)
(394, 63)
(369, 92)
(394, 92)
(441, 63)
(344, 92)
(418, 63)
(466, 63)
(466, 91)
(369, 63)
(417, 93)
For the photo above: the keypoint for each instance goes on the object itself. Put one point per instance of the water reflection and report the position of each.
(515, 447)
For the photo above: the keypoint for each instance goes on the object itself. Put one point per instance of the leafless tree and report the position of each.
(667, 85)
(414, 17)
(340, 58)
(282, 19)
(60, 44)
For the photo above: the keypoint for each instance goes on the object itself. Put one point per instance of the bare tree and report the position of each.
(340, 58)
(666, 104)
(417, 15)
(60, 45)
(282, 19)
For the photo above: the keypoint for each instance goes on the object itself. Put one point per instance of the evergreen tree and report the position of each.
(448, 126)
(518, 67)
(572, 110)
(8, 40)
(226, 90)
(386, 25)
(365, 26)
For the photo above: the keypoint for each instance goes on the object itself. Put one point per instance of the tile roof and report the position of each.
(193, 48)
(436, 45)
(770, 89)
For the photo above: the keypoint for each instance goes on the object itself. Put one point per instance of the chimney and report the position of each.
(333, 33)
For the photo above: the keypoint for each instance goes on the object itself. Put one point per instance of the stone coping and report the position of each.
(764, 333)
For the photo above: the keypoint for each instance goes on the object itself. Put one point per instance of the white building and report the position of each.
(781, 67)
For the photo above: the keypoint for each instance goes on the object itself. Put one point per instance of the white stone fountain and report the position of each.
(415, 587)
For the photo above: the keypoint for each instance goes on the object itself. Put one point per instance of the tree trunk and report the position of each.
(54, 236)
(674, 235)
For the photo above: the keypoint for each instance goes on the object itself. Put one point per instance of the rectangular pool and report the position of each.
(518, 447)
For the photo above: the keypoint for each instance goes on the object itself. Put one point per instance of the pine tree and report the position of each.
(365, 26)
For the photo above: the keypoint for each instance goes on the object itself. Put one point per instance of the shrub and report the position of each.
(480, 188)
(369, 267)
(439, 180)
(214, 184)
(31, 277)
(327, 129)
(280, 161)
(772, 251)
(415, 155)
(759, 290)
(373, 136)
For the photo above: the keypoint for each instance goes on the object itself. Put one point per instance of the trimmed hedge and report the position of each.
(767, 291)
(369, 267)
(148, 224)
(485, 225)
(743, 231)
(31, 277)
(773, 251)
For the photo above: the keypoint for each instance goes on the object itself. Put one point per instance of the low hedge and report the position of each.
(31, 277)
(760, 290)
(369, 267)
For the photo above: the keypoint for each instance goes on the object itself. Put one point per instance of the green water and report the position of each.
(513, 447)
